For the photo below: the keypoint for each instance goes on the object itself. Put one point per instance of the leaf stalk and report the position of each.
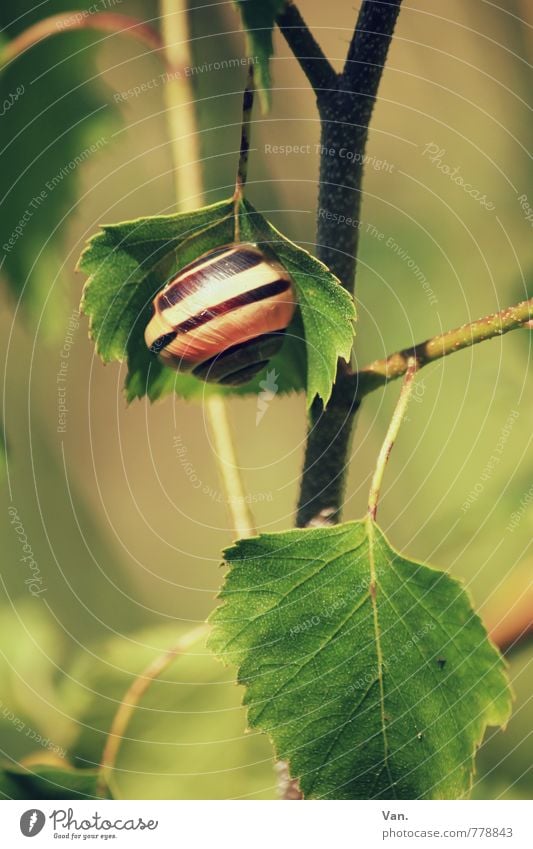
(390, 438)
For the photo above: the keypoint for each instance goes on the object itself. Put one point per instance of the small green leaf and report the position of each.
(128, 263)
(48, 782)
(371, 673)
(258, 17)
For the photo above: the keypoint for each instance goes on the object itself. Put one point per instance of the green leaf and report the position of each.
(258, 17)
(371, 673)
(48, 782)
(56, 116)
(128, 263)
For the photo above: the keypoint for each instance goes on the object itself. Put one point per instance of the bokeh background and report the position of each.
(127, 531)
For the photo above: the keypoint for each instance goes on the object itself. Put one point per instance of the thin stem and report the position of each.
(395, 365)
(68, 21)
(313, 62)
(217, 413)
(246, 131)
(390, 438)
(132, 698)
(247, 107)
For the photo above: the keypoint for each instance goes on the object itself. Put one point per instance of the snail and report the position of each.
(224, 315)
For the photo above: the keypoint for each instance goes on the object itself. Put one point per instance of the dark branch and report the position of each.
(369, 46)
(345, 114)
(326, 455)
(314, 63)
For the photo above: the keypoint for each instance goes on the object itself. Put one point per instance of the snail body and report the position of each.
(223, 316)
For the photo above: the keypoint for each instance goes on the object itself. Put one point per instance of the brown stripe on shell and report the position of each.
(234, 327)
(162, 342)
(215, 292)
(223, 316)
(276, 287)
(193, 276)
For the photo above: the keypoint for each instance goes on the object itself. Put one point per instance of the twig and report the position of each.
(355, 385)
(68, 21)
(132, 698)
(314, 63)
(390, 438)
(247, 107)
(382, 371)
(242, 167)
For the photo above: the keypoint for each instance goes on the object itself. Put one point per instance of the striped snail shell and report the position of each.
(223, 316)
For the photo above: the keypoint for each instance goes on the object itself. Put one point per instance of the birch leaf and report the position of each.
(371, 673)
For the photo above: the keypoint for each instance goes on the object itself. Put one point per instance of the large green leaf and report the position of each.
(48, 782)
(55, 118)
(258, 17)
(371, 673)
(128, 263)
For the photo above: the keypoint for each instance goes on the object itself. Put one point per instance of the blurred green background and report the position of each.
(127, 533)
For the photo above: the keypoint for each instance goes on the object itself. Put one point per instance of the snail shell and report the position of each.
(224, 315)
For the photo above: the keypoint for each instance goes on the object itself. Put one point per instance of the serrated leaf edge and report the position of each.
(500, 661)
